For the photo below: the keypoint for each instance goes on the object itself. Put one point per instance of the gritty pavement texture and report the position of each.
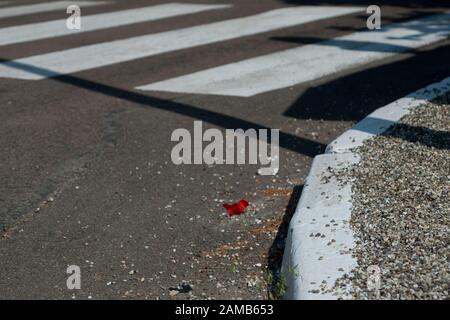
(86, 176)
(400, 214)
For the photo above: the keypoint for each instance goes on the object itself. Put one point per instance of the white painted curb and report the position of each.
(316, 253)
(319, 242)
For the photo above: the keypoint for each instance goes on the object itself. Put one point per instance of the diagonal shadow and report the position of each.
(276, 250)
(403, 3)
(437, 139)
(425, 136)
(430, 24)
(356, 95)
(288, 141)
(347, 44)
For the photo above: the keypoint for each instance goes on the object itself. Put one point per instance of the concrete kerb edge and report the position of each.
(319, 241)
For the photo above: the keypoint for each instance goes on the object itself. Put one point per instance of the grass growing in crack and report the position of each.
(294, 271)
(276, 286)
(234, 266)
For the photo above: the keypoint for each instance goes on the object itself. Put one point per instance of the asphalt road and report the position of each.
(86, 176)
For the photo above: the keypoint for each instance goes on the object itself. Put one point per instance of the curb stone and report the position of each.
(320, 241)
(316, 253)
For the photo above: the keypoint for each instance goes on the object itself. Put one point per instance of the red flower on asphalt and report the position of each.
(236, 208)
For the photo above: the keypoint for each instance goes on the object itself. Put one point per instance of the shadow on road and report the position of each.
(276, 251)
(286, 140)
(354, 96)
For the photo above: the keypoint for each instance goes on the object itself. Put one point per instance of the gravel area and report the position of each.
(400, 214)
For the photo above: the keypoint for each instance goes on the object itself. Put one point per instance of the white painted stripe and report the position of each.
(44, 7)
(50, 29)
(282, 69)
(107, 53)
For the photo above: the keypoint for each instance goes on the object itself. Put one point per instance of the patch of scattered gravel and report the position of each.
(401, 208)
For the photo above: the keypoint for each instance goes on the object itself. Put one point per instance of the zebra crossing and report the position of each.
(49, 29)
(310, 62)
(243, 78)
(107, 53)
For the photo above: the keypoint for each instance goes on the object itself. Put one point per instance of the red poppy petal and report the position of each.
(243, 203)
(236, 208)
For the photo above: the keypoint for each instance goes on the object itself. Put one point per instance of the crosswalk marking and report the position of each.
(107, 53)
(44, 7)
(282, 69)
(55, 28)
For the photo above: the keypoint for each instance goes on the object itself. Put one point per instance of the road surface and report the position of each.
(87, 115)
